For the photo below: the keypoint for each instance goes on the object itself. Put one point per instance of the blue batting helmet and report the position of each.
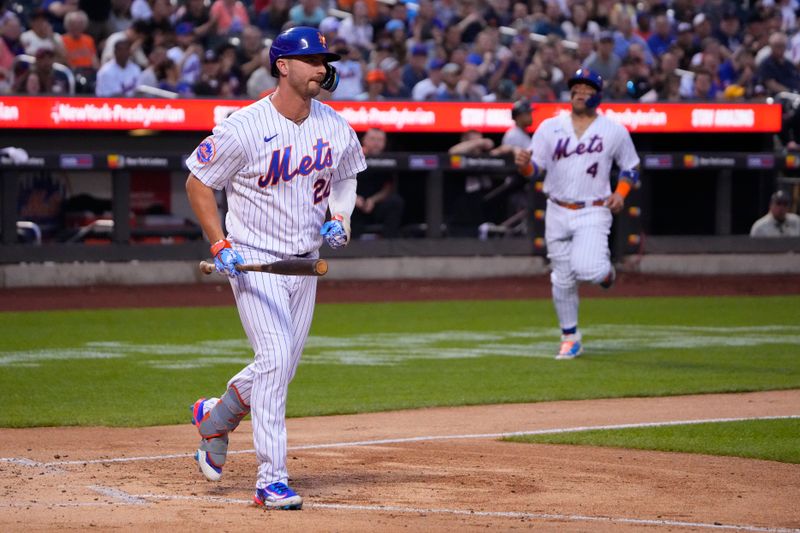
(592, 79)
(299, 41)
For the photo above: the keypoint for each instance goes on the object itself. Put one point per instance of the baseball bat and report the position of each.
(287, 267)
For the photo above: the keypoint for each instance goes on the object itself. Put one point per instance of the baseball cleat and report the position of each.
(571, 347)
(609, 280)
(207, 467)
(278, 496)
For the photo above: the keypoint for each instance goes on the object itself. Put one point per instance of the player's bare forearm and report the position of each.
(615, 203)
(204, 205)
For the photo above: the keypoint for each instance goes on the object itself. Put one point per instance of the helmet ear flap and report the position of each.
(331, 80)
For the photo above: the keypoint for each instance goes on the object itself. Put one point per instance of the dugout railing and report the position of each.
(120, 239)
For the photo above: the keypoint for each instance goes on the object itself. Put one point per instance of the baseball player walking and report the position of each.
(283, 161)
(576, 151)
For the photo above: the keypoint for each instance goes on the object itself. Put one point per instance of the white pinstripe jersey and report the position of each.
(277, 175)
(578, 169)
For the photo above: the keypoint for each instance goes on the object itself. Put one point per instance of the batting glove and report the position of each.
(226, 258)
(336, 232)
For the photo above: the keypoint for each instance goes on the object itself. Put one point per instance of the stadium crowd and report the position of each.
(448, 50)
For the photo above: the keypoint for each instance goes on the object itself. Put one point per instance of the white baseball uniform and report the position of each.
(277, 176)
(577, 173)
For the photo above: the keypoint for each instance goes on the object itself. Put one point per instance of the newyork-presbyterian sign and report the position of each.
(73, 113)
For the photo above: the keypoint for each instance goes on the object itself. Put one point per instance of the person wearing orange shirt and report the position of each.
(231, 17)
(80, 49)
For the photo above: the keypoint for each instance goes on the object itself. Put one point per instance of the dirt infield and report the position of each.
(628, 284)
(417, 470)
(421, 470)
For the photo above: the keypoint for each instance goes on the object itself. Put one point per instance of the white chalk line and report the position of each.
(374, 442)
(128, 498)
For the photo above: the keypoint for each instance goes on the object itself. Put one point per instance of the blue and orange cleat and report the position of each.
(278, 496)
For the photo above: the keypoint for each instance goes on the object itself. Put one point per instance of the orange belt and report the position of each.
(577, 205)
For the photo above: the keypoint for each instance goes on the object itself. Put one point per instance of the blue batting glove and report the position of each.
(226, 261)
(335, 232)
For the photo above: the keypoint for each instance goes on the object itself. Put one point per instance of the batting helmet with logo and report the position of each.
(592, 79)
(304, 41)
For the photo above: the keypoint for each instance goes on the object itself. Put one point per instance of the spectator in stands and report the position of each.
(120, 17)
(580, 24)
(469, 86)
(196, 13)
(701, 25)
(670, 88)
(261, 82)
(118, 77)
(357, 29)
(307, 13)
(148, 76)
(550, 22)
(168, 74)
(451, 74)
(6, 59)
(414, 71)
(686, 42)
(248, 53)
(80, 49)
(209, 83)
(41, 35)
(186, 53)
(41, 78)
(376, 81)
(351, 71)
(141, 10)
(231, 18)
(624, 37)
(427, 88)
(729, 32)
(512, 66)
(776, 73)
(275, 17)
(702, 86)
(662, 36)
(604, 61)
(377, 201)
(329, 27)
(135, 35)
(393, 88)
(57, 10)
(546, 59)
(11, 31)
(778, 222)
(233, 82)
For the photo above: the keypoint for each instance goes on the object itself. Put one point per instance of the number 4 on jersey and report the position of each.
(592, 170)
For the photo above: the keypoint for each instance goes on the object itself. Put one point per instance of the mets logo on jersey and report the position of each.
(206, 151)
(280, 161)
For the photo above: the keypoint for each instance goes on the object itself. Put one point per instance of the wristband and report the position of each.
(623, 188)
(218, 246)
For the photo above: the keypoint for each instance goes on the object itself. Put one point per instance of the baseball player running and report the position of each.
(576, 151)
(283, 161)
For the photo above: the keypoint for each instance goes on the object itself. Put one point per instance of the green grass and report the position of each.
(774, 440)
(146, 366)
